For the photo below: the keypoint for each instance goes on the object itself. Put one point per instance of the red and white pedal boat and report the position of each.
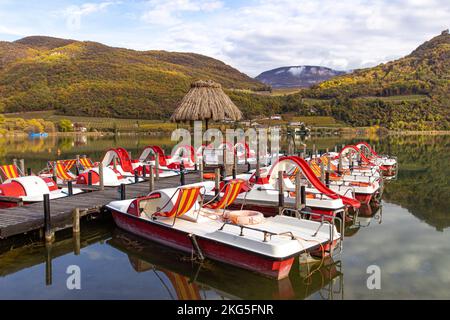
(263, 194)
(268, 246)
(31, 189)
(388, 162)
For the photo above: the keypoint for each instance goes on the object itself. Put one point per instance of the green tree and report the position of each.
(65, 125)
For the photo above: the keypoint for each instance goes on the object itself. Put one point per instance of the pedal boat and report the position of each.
(31, 189)
(178, 218)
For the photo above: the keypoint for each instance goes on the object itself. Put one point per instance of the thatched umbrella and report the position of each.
(206, 101)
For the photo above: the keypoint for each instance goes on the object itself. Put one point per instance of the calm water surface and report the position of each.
(408, 237)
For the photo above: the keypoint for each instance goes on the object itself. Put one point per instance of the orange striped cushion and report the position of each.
(10, 171)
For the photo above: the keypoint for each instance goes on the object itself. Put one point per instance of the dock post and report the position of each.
(234, 171)
(70, 188)
(15, 162)
(201, 171)
(327, 179)
(335, 149)
(76, 244)
(322, 172)
(144, 171)
(136, 176)
(76, 220)
(54, 172)
(303, 196)
(280, 192)
(182, 174)
(224, 160)
(151, 179)
(313, 151)
(90, 178)
(29, 172)
(122, 189)
(257, 173)
(101, 177)
(49, 234)
(340, 165)
(329, 163)
(298, 194)
(22, 166)
(157, 166)
(217, 182)
(48, 264)
(77, 166)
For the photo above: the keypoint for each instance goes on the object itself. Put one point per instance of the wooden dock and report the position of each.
(29, 218)
(25, 219)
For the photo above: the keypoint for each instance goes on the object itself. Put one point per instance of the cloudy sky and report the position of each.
(251, 35)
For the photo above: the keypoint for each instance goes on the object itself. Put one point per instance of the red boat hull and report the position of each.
(166, 235)
(364, 198)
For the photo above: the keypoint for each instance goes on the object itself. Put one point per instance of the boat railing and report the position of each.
(325, 219)
(267, 235)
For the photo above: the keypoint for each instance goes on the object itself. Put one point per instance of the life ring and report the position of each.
(209, 176)
(245, 217)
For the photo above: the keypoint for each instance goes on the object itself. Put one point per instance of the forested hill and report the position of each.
(89, 78)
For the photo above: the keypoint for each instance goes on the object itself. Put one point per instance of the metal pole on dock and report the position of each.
(313, 151)
(327, 179)
(280, 192)
(90, 178)
(303, 196)
(70, 188)
(151, 179)
(54, 172)
(122, 189)
(15, 162)
(136, 176)
(48, 233)
(217, 182)
(182, 174)
(101, 177)
(29, 172)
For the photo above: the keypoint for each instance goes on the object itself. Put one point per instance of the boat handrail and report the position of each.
(300, 213)
(267, 234)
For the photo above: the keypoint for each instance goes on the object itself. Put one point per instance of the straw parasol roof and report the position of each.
(206, 101)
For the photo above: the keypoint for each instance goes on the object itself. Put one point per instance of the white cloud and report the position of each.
(74, 13)
(264, 34)
(167, 12)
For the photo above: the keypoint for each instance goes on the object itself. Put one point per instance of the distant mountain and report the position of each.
(297, 76)
(92, 79)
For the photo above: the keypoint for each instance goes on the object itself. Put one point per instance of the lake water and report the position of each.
(408, 238)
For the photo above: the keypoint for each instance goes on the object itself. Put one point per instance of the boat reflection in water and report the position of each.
(367, 215)
(185, 279)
